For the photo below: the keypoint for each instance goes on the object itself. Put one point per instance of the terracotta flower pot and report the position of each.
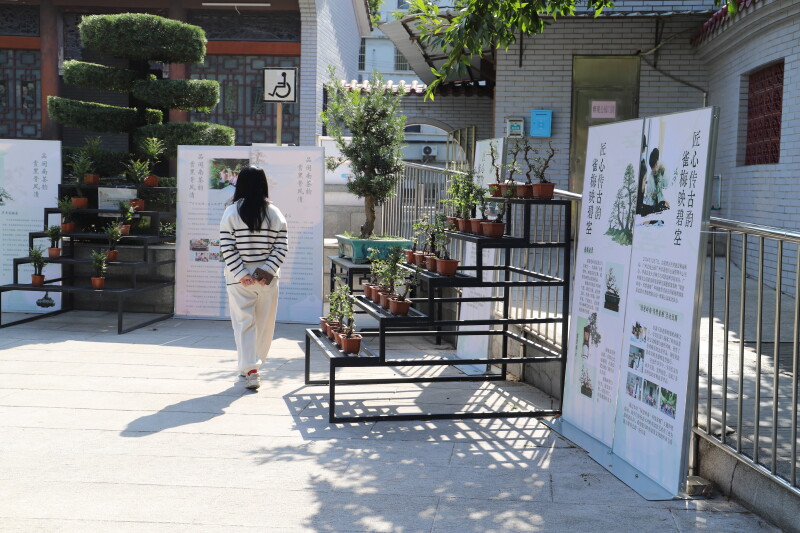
(461, 224)
(137, 204)
(385, 299)
(112, 255)
(493, 229)
(451, 223)
(54, 253)
(91, 179)
(505, 187)
(475, 225)
(80, 203)
(37, 280)
(68, 227)
(151, 181)
(494, 189)
(351, 344)
(323, 325)
(420, 258)
(430, 262)
(337, 338)
(525, 191)
(368, 291)
(125, 229)
(332, 331)
(98, 283)
(399, 307)
(447, 267)
(409, 256)
(543, 191)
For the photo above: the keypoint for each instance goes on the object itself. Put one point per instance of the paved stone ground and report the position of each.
(153, 431)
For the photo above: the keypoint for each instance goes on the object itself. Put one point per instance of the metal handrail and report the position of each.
(769, 232)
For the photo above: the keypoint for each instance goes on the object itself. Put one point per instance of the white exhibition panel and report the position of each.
(30, 172)
(635, 309)
(205, 176)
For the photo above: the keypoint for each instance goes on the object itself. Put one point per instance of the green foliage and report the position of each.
(339, 303)
(152, 148)
(167, 229)
(65, 206)
(387, 270)
(374, 10)
(126, 211)
(136, 170)
(37, 259)
(80, 163)
(114, 234)
(99, 263)
(92, 75)
(372, 119)
(92, 116)
(463, 194)
(168, 182)
(143, 37)
(54, 234)
(106, 162)
(195, 133)
(187, 95)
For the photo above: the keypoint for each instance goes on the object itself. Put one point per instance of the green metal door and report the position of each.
(604, 89)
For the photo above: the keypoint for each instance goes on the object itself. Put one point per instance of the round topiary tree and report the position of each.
(141, 38)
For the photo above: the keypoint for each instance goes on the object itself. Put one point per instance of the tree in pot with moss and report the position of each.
(371, 118)
(38, 261)
(54, 234)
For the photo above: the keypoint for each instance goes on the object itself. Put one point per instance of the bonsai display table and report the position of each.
(345, 271)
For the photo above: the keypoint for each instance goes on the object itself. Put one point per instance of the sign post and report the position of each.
(280, 85)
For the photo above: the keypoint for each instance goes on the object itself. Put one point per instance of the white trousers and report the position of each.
(253, 311)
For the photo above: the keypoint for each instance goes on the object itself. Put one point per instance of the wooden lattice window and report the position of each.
(764, 109)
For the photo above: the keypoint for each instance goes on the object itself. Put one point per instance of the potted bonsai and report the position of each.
(99, 265)
(137, 170)
(113, 234)
(496, 228)
(152, 148)
(526, 190)
(392, 274)
(91, 149)
(544, 189)
(350, 340)
(401, 304)
(54, 234)
(79, 164)
(126, 211)
(38, 261)
(67, 210)
(513, 167)
(422, 230)
(444, 264)
(376, 129)
(497, 166)
(479, 198)
(612, 292)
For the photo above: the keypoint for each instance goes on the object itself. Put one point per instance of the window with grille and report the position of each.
(400, 62)
(402, 4)
(362, 54)
(764, 109)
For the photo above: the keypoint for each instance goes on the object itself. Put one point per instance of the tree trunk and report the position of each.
(369, 212)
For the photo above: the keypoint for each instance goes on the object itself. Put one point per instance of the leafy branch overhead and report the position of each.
(474, 27)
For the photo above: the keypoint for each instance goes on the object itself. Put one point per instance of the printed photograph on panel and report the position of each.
(633, 386)
(224, 172)
(650, 393)
(614, 276)
(636, 358)
(620, 222)
(668, 402)
(639, 333)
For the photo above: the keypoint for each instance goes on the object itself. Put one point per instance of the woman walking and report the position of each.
(253, 244)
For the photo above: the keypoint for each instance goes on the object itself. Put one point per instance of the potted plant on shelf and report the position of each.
(38, 261)
(479, 198)
(99, 265)
(152, 148)
(513, 167)
(126, 212)
(137, 170)
(525, 190)
(392, 274)
(376, 131)
(114, 234)
(54, 234)
(444, 264)
(91, 149)
(67, 210)
(497, 166)
(496, 227)
(335, 302)
(376, 267)
(79, 164)
(544, 189)
(400, 304)
(349, 340)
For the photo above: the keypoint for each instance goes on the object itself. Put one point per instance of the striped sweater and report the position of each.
(243, 251)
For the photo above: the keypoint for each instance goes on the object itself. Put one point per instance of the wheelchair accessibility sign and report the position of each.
(280, 85)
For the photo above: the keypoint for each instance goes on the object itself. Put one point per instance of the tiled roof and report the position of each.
(718, 21)
(416, 88)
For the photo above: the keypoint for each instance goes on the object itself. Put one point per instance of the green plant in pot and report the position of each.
(545, 188)
(152, 148)
(126, 212)
(339, 299)
(512, 167)
(401, 304)
(99, 265)
(67, 212)
(349, 340)
(113, 234)
(91, 148)
(445, 265)
(376, 130)
(497, 168)
(526, 190)
(422, 231)
(54, 234)
(496, 228)
(80, 164)
(478, 212)
(391, 275)
(38, 261)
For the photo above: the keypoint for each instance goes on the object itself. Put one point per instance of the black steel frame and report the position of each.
(420, 324)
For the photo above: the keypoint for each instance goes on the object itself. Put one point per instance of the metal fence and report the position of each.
(748, 373)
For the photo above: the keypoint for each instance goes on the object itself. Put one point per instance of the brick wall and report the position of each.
(545, 79)
(451, 112)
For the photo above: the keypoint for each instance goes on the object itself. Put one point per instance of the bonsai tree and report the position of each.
(409, 282)
(65, 206)
(126, 211)
(513, 166)
(377, 131)
(620, 222)
(113, 234)
(497, 165)
(527, 148)
(54, 234)
(141, 38)
(79, 164)
(37, 260)
(137, 170)
(99, 264)
(152, 148)
(542, 163)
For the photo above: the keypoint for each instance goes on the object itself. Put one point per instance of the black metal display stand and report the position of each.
(432, 322)
(68, 284)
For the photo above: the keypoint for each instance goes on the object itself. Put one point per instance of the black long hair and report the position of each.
(253, 191)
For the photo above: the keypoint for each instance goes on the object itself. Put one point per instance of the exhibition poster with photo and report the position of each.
(601, 270)
(206, 182)
(206, 178)
(295, 175)
(30, 172)
(665, 275)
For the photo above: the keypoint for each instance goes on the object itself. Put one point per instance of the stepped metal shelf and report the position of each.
(432, 321)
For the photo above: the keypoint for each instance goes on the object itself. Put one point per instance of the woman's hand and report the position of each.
(247, 280)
